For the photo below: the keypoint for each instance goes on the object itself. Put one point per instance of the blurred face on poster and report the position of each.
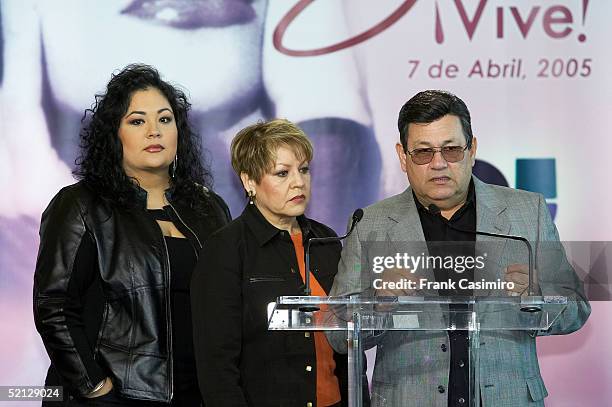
(201, 43)
(438, 162)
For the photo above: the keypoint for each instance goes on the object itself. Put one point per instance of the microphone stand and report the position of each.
(357, 215)
(525, 308)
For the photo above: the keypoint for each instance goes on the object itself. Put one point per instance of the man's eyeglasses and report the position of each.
(451, 154)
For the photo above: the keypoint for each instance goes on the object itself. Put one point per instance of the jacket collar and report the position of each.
(141, 195)
(264, 231)
(490, 214)
(405, 222)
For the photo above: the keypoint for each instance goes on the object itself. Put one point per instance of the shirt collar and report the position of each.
(470, 201)
(264, 231)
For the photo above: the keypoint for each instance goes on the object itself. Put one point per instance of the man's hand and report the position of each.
(397, 276)
(519, 275)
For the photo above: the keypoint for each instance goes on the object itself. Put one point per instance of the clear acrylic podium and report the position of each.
(362, 317)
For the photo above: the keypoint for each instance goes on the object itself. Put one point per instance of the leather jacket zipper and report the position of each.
(168, 316)
(168, 312)
(186, 225)
(197, 253)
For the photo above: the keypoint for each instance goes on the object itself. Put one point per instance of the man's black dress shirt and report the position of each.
(436, 230)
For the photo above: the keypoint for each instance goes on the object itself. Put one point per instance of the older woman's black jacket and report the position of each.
(119, 326)
(243, 267)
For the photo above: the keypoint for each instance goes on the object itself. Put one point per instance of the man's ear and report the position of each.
(401, 154)
(472, 151)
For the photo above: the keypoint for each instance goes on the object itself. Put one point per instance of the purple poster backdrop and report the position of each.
(534, 74)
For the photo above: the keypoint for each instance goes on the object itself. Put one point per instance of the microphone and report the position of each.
(357, 215)
(434, 210)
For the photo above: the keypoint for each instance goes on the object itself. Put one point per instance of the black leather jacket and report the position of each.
(134, 340)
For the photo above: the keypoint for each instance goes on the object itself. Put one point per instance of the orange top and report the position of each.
(328, 389)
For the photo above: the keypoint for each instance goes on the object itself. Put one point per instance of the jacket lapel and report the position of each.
(406, 232)
(491, 217)
(490, 211)
(405, 224)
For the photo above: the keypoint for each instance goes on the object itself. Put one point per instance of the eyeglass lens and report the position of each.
(450, 154)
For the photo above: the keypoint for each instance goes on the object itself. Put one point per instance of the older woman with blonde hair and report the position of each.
(248, 264)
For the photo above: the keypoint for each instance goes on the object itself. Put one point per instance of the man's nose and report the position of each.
(438, 161)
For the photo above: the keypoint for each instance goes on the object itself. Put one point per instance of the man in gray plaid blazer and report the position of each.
(437, 152)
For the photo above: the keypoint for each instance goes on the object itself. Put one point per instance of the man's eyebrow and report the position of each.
(428, 143)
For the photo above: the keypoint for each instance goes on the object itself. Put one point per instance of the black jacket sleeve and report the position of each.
(66, 266)
(216, 298)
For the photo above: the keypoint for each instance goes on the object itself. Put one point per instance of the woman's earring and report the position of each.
(173, 168)
(251, 195)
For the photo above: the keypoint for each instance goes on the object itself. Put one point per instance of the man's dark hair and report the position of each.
(429, 106)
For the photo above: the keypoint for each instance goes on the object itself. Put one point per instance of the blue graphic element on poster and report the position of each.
(538, 175)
